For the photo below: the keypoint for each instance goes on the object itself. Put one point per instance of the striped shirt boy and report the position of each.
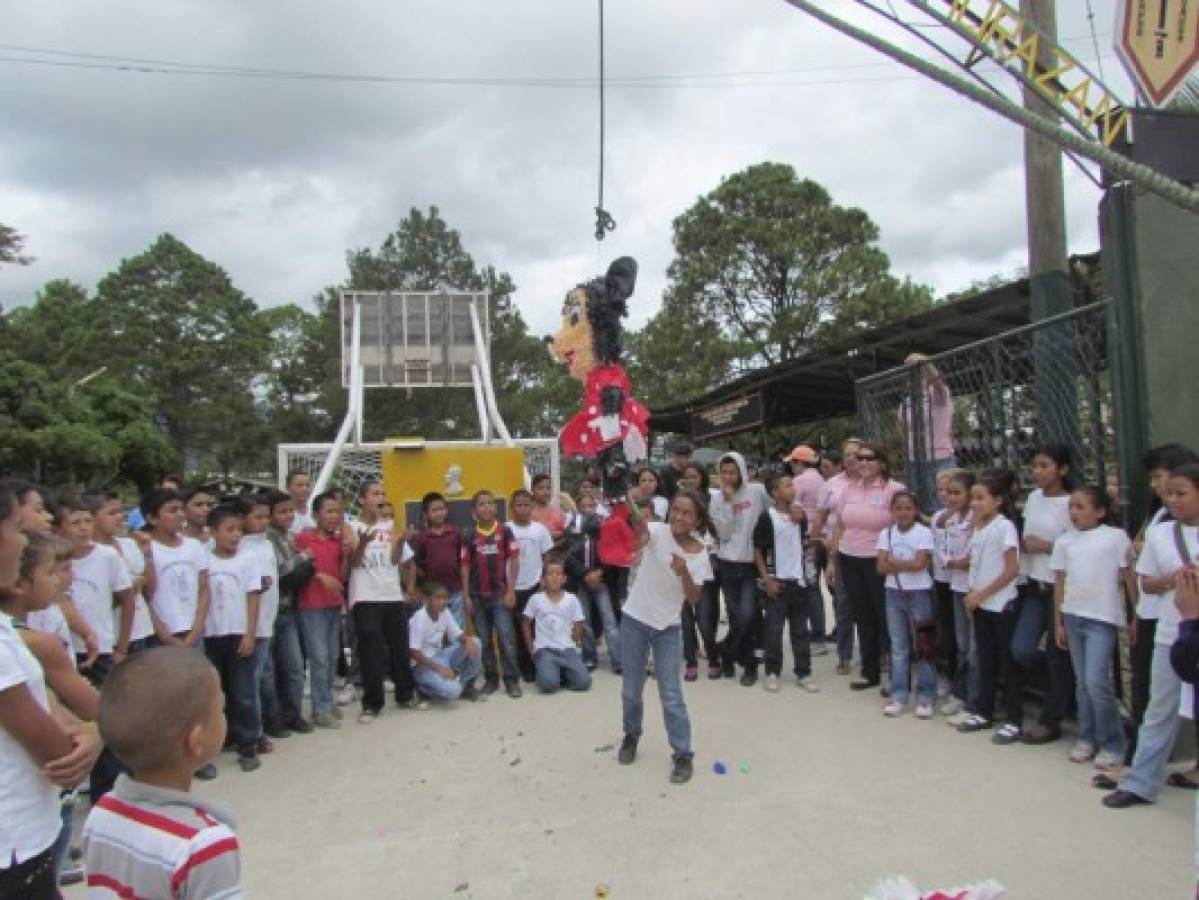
(145, 841)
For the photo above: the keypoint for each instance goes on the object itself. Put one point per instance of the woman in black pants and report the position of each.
(705, 615)
(863, 512)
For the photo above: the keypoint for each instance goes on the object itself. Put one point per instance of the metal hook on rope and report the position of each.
(603, 223)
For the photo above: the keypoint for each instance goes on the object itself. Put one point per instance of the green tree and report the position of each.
(11, 244)
(173, 327)
(291, 386)
(780, 268)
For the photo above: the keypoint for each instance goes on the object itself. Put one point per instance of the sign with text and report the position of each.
(729, 417)
(1158, 42)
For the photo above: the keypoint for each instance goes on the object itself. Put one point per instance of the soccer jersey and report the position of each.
(487, 554)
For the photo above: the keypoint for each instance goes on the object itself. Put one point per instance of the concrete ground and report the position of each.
(525, 799)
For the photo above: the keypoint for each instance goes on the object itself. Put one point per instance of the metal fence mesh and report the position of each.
(1044, 382)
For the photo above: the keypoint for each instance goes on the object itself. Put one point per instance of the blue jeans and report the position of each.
(458, 608)
(322, 640)
(1035, 620)
(602, 600)
(965, 679)
(904, 610)
(283, 675)
(739, 582)
(553, 665)
(636, 641)
(1159, 729)
(1092, 645)
(436, 686)
(493, 616)
(261, 658)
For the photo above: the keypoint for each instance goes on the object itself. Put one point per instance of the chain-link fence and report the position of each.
(991, 403)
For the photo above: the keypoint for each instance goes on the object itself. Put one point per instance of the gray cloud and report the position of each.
(275, 180)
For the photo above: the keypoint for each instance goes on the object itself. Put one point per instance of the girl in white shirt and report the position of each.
(1046, 518)
(904, 552)
(994, 565)
(1090, 562)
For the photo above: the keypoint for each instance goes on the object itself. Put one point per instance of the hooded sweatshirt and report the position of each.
(734, 520)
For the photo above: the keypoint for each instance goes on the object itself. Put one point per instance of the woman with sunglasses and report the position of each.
(863, 512)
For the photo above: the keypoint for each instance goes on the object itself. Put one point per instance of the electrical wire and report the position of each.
(1095, 41)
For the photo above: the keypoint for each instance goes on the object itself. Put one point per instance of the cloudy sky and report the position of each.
(275, 178)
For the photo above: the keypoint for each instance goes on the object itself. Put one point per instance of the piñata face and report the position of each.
(574, 344)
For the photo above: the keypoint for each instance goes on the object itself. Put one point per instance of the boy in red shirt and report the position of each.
(489, 560)
(320, 601)
(437, 552)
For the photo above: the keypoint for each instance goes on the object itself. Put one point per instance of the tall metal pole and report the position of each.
(1049, 281)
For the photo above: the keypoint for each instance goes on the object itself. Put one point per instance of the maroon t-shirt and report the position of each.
(439, 556)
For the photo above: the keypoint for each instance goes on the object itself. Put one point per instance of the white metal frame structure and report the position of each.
(350, 432)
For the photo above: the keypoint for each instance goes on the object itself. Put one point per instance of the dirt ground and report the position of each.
(524, 799)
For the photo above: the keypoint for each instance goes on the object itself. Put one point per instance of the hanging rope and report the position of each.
(1095, 40)
(603, 219)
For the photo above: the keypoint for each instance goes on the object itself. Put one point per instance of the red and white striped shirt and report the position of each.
(146, 841)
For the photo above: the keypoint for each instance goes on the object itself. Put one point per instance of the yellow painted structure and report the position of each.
(412, 469)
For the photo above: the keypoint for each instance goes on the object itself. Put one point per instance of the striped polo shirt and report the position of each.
(145, 841)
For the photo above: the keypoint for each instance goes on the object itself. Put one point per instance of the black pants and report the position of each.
(790, 607)
(993, 634)
(382, 631)
(239, 681)
(1035, 622)
(946, 635)
(31, 880)
(864, 585)
(704, 617)
(106, 767)
(617, 580)
(1142, 664)
(524, 659)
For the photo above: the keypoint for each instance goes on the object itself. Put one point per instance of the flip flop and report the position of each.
(1104, 782)
(1179, 780)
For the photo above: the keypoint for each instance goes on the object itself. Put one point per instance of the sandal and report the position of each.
(1180, 780)
(1104, 782)
(691, 674)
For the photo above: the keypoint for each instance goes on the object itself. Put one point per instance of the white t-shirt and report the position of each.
(788, 548)
(301, 522)
(177, 582)
(534, 541)
(135, 562)
(904, 547)
(429, 635)
(1092, 561)
(51, 621)
(230, 579)
(554, 621)
(958, 529)
(988, 549)
(377, 579)
(1159, 559)
(260, 548)
(656, 599)
(94, 580)
(29, 807)
(1047, 518)
(1149, 605)
(661, 507)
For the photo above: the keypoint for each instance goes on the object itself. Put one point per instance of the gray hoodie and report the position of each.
(734, 521)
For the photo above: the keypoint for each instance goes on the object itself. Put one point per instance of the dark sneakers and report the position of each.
(681, 773)
(300, 726)
(749, 678)
(1123, 800)
(490, 687)
(628, 750)
(206, 772)
(514, 690)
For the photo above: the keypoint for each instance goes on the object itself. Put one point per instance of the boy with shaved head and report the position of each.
(162, 713)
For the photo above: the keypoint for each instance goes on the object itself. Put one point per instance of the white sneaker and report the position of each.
(771, 683)
(1082, 751)
(924, 711)
(952, 707)
(805, 684)
(1107, 760)
(958, 718)
(893, 709)
(346, 696)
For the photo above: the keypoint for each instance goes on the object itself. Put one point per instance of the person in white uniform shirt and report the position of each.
(674, 565)
(445, 662)
(299, 486)
(558, 619)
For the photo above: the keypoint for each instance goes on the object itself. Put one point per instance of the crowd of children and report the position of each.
(267, 598)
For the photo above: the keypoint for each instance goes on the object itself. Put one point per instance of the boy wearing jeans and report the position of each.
(320, 603)
(443, 672)
(490, 557)
(559, 621)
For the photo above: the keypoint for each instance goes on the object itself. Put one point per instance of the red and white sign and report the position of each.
(1158, 42)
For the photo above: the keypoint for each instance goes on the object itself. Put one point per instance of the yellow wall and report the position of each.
(410, 473)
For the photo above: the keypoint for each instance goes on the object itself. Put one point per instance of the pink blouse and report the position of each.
(864, 510)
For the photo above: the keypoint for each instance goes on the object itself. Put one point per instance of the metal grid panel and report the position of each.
(1044, 382)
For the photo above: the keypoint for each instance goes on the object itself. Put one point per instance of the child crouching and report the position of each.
(557, 618)
(443, 672)
(162, 713)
